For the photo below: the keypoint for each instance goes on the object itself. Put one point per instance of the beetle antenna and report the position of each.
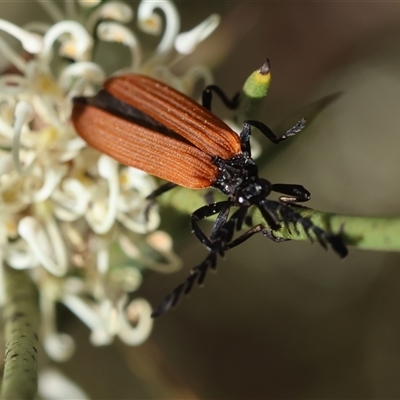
(288, 215)
(197, 274)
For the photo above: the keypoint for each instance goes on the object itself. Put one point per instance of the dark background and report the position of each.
(288, 320)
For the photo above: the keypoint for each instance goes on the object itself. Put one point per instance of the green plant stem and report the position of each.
(369, 233)
(21, 321)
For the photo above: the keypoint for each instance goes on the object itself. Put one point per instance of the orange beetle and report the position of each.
(146, 124)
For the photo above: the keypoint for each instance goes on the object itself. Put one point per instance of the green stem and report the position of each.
(369, 233)
(21, 321)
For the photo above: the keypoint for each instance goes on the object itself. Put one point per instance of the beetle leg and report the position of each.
(245, 236)
(207, 97)
(269, 234)
(246, 132)
(219, 224)
(222, 235)
(208, 210)
(209, 197)
(296, 193)
(250, 232)
(160, 190)
(154, 194)
(239, 217)
(270, 215)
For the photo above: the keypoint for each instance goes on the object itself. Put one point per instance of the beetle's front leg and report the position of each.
(208, 210)
(294, 193)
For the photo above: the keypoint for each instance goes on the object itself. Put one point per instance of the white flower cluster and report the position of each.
(63, 205)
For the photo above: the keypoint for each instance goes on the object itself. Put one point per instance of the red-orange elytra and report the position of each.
(188, 165)
(146, 124)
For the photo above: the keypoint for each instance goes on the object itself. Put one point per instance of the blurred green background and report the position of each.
(288, 320)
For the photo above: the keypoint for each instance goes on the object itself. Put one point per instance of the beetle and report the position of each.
(146, 124)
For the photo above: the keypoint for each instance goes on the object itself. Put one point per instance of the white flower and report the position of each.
(53, 384)
(63, 206)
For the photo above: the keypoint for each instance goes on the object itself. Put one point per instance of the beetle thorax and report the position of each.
(238, 178)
